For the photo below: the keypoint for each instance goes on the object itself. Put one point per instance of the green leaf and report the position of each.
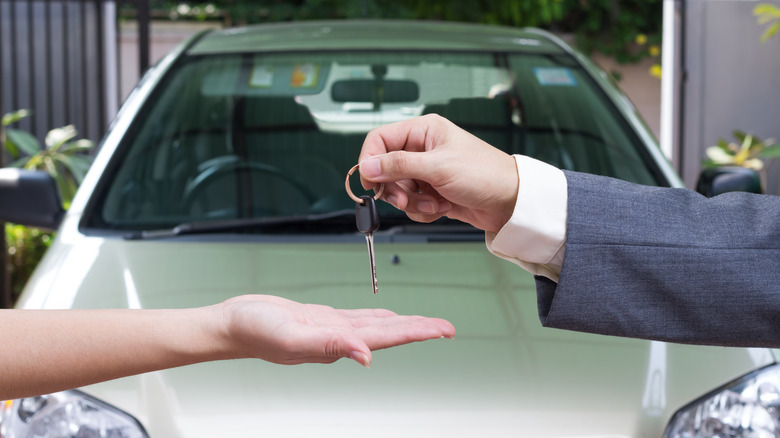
(15, 116)
(770, 31)
(68, 190)
(771, 151)
(34, 162)
(11, 148)
(708, 163)
(62, 182)
(19, 163)
(82, 145)
(51, 167)
(25, 141)
(767, 10)
(77, 166)
(723, 144)
(746, 143)
(59, 136)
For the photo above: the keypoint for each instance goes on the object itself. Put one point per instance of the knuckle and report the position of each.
(396, 164)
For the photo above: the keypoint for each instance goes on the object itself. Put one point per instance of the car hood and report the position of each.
(502, 375)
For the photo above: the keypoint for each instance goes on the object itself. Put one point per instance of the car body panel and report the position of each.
(367, 34)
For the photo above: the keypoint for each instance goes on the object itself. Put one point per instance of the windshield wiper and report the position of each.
(221, 226)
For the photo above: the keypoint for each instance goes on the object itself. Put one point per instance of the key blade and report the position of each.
(372, 262)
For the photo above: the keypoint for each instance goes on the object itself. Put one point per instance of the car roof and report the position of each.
(373, 35)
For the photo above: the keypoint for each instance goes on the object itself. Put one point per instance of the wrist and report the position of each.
(215, 326)
(508, 202)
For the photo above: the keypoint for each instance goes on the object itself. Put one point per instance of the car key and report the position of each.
(367, 219)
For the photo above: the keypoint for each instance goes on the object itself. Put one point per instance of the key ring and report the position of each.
(349, 190)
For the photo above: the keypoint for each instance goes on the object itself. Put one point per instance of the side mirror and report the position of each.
(29, 198)
(717, 180)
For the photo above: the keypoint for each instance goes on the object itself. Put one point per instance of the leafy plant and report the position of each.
(629, 31)
(750, 152)
(607, 26)
(25, 247)
(61, 156)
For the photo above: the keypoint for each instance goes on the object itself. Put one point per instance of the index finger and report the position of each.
(403, 330)
(414, 135)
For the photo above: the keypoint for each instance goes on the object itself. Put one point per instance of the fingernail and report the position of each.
(444, 206)
(360, 358)
(426, 207)
(370, 168)
(392, 200)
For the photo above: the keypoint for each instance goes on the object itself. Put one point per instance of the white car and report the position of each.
(224, 174)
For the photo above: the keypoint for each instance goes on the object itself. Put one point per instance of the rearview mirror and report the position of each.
(29, 198)
(717, 180)
(370, 90)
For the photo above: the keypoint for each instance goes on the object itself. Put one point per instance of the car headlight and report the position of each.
(63, 415)
(746, 407)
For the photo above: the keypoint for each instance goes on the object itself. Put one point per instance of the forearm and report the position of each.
(49, 350)
(667, 264)
(44, 351)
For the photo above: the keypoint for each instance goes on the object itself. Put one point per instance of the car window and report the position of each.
(568, 123)
(273, 135)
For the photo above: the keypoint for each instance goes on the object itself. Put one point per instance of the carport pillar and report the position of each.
(672, 82)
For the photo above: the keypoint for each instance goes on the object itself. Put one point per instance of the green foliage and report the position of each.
(607, 26)
(509, 13)
(61, 156)
(25, 248)
(768, 13)
(14, 140)
(64, 159)
(749, 151)
(626, 30)
(237, 12)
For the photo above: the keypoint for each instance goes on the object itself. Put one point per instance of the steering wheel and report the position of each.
(212, 170)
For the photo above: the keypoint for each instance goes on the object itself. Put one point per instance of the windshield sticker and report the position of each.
(555, 76)
(261, 77)
(304, 76)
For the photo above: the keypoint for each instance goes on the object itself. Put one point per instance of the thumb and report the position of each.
(348, 345)
(396, 166)
(361, 357)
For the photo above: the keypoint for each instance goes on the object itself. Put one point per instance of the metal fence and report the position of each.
(59, 59)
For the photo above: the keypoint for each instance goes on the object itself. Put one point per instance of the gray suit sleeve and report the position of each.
(667, 264)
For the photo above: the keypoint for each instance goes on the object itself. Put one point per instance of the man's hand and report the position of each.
(431, 168)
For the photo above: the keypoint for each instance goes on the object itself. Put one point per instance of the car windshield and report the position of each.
(272, 135)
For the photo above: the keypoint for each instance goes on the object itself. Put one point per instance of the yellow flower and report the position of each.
(655, 70)
(641, 39)
(654, 50)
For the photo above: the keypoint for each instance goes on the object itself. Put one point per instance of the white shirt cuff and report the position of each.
(534, 238)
